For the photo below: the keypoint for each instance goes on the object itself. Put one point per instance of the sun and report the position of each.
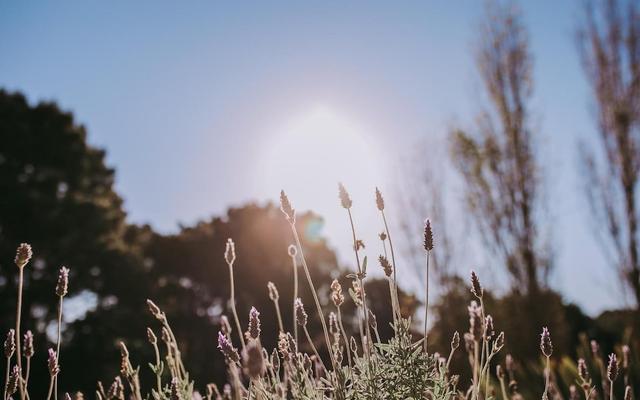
(309, 154)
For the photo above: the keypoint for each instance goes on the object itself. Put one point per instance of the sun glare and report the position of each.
(311, 153)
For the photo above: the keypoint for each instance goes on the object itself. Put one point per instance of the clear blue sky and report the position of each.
(188, 97)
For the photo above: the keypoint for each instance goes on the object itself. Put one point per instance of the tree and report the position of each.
(609, 42)
(497, 161)
(57, 194)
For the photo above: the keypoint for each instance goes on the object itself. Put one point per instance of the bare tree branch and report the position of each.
(498, 160)
(609, 42)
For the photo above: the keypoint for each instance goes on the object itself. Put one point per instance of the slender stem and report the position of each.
(610, 390)
(238, 386)
(475, 369)
(174, 347)
(484, 345)
(426, 302)
(50, 388)
(375, 330)
(482, 363)
(26, 377)
(295, 296)
(393, 257)
(233, 305)
(59, 327)
(18, 336)
(393, 289)
(344, 336)
(313, 291)
(487, 376)
(365, 311)
(393, 301)
(172, 365)
(280, 325)
(135, 382)
(362, 339)
(313, 347)
(158, 373)
(546, 376)
(449, 358)
(486, 366)
(504, 390)
(55, 383)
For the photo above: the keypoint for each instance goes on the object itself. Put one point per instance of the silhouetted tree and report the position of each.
(497, 160)
(57, 194)
(610, 46)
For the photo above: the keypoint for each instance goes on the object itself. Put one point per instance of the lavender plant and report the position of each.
(368, 368)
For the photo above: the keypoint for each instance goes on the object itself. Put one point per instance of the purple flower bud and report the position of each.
(10, 343)
(253, 332)
(345, 200)
(52, 363)
(301, 315)
(545, 342)
(227, 349)
(62, 287)
(286, 208)
(23, 255)
(612, 368)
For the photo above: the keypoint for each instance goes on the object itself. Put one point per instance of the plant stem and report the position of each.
(365, 311)
(393, 258)
(546, 376)
(393, 302)
(344, 336)
(313, 291)
(233, 305)
(158, 372)
(174, 347)
(26, 378)
(55, 383)
(280, 325)
(426, 302)
(475, 370)
(449, 358)
(18, 337)
(610, 390)
(375, 330)
(313, 347)
(295, 295)
(487, 376)
(504, 390)
(393, 289)
(238, 387)
(485, 368)
(50, 388)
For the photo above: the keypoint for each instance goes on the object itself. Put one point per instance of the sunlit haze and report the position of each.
(309, 154)
(207, 105)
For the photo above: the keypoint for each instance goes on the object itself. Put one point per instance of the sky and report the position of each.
(204, 105)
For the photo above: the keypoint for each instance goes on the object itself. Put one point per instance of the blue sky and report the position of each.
(198, 103)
